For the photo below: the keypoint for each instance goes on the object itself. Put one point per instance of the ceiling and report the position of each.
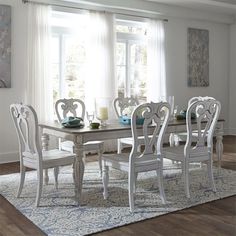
(218, 6)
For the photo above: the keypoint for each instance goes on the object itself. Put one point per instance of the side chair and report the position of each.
(199, 144)
(177, 137)
(31, 154)
(76, 107)
(156, 117)
(119, 105)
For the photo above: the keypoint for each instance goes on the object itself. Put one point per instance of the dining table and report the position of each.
(112, 130)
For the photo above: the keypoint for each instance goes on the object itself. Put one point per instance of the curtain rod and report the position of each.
(84, 8)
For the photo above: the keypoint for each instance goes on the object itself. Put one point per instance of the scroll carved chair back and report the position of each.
(182, 136)
(199, 98)
(120, 104)
(26, 123)
(69, 107)
(157, 114)
(207, 113)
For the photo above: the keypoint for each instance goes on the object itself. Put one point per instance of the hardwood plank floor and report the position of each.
(216, 218)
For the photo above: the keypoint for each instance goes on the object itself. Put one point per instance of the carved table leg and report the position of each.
(78, 169)
(45, 143)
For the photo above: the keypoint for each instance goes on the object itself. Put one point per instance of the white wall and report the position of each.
(176, 59)
(232, 81)
(8, 139)
(176, 62)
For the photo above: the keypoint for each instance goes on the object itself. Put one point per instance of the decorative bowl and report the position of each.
(94, 125)
(184, 113)
(126, 120)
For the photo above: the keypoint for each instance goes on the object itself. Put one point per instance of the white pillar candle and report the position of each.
(103, 113)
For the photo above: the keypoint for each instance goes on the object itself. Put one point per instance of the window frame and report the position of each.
(128, 39)
(62, 32)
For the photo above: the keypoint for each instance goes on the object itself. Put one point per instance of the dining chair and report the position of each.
(177, 137)
(156, 116)
(31, 154)
(199, 144)
(76, 108)
(120, 105)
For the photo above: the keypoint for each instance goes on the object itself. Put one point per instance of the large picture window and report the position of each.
(68, 55)
(69, 61)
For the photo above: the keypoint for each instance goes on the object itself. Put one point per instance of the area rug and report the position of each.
(59, 215)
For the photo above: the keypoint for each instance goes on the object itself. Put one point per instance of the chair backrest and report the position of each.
(199, 98)
(207, 113)
(121, 104)
(26, 124)
(154, 114)
(69, 107)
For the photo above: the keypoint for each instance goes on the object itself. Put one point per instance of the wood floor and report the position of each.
(214, 218)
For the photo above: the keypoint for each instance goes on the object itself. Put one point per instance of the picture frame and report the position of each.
(5, 46)
(198, 57)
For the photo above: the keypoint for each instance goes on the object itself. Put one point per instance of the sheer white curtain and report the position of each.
(100, 82)
(39, 85)
(156, 84)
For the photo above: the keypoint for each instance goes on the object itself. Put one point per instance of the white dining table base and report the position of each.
(112, 131)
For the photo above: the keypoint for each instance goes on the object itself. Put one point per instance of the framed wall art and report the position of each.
(5, 46)
(198, 57)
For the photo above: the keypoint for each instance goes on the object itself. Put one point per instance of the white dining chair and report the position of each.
(199, 144)
(178, 137)
(76, 108)
(31, 155)
(155, 115)
(120, 104)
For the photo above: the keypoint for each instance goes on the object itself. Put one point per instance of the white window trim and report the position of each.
(128, 39)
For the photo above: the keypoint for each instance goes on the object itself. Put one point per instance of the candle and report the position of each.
(103, 113)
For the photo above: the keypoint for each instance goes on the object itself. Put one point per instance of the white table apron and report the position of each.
(113, 130)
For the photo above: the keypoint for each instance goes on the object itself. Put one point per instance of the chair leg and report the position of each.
(210, 174)
(105, 180)
(171, 140)
(161, 187)
(56, 172)
(100, 152)
(84, 158)
(176, 141)
(39, 187)
(135, 180)
(139, 148)
(131, 189)
(119, 146)
(186, 178)
(46, 177)
(22, 180)
(73, 174)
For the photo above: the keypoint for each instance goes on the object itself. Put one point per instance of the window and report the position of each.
(69, 56)
(131, 59)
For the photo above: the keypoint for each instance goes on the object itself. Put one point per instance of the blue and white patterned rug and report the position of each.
(59, 215)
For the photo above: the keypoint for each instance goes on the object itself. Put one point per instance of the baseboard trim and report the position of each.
(9, 157)
(231, 131)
